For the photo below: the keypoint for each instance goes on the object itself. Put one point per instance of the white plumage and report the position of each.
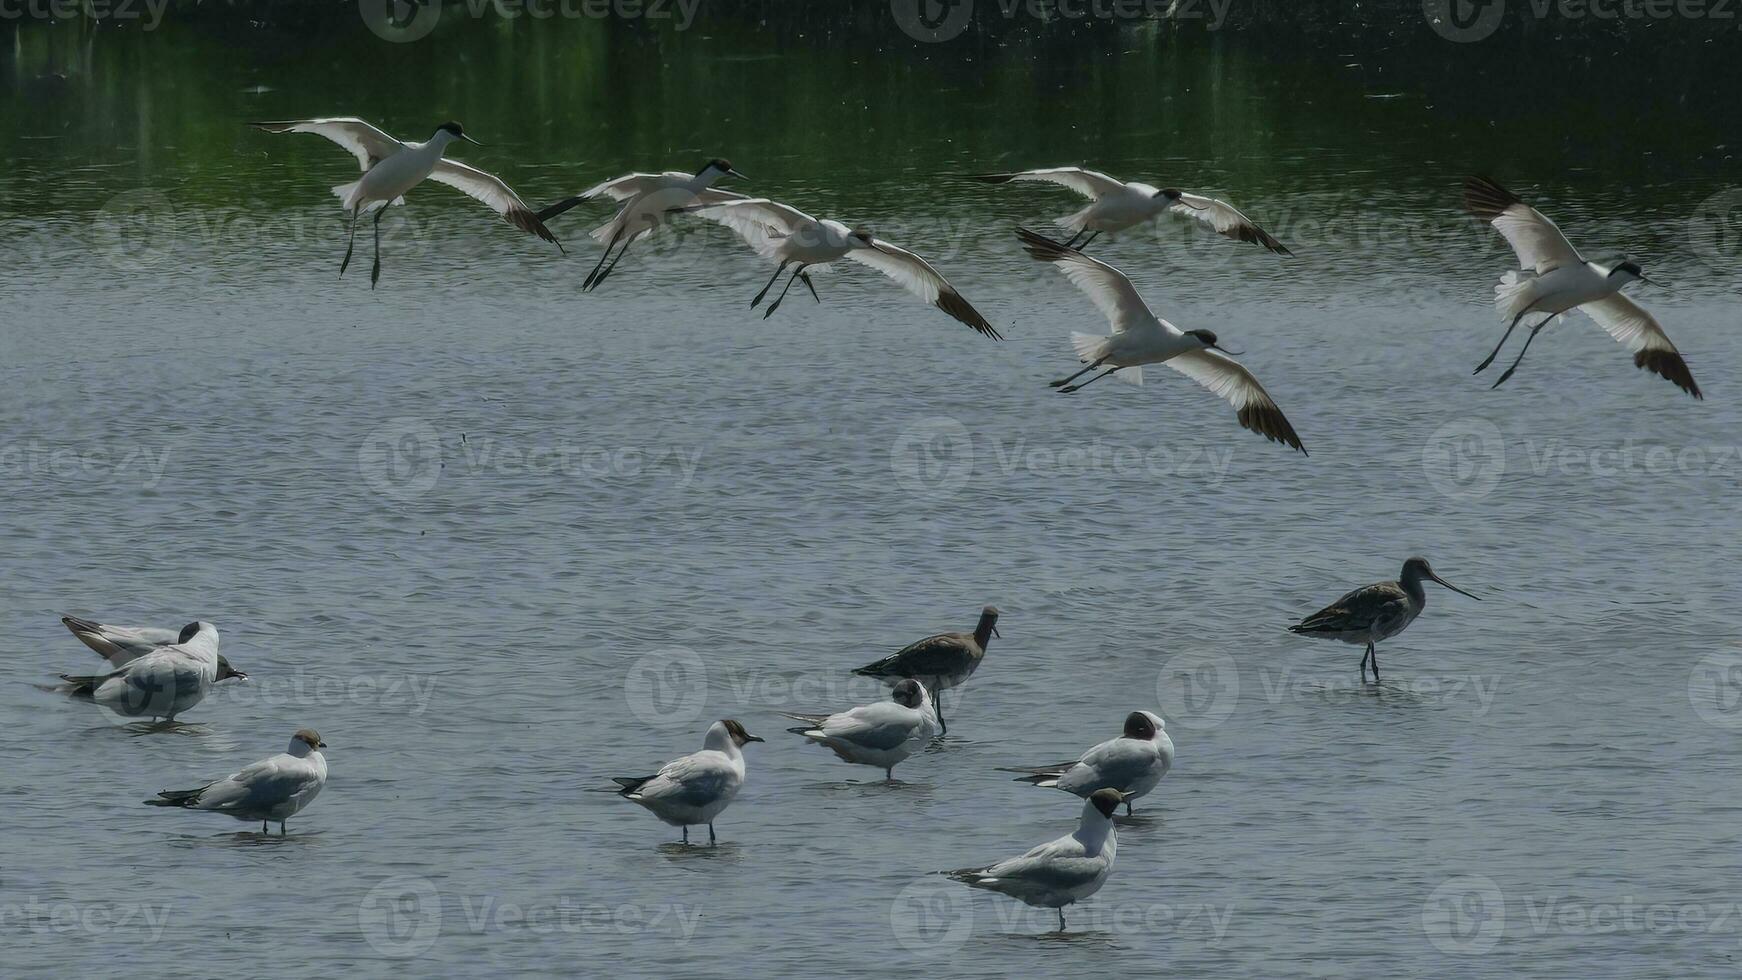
(696, 788)
(882, 734)
(276, 788)
(1060, 872)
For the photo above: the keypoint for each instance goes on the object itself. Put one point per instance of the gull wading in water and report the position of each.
(1140, 337)
(1375, 612)
(648, 200)
(121, 645)
(1118, 205)
(939, 662)
(694, 789)
(392, 167)
(277, 788)
(1554, 278)
(882, 734)
(790, 237)
(1060, 872)
(1132, 763)
(163, 682)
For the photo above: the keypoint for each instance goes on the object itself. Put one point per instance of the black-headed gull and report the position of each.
(1061, 872)
(1118, 205)
(120, 645)
(1554, 279)
(1140, 337)
(162, 683)
(940, 662)
(648, 199)
(882, 734)
(695, 788)
(1132, 763)
(1374, 612)
(392, 167)
(276, 788)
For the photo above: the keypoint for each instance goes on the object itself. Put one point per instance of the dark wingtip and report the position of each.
(1669, 365)
(991, 178)
(1486, 199)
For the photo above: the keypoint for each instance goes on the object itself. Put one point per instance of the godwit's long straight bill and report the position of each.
(1554, 278)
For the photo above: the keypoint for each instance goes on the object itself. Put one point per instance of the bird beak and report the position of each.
(321, 746)
(996, 633)
(470, 140)
(753, 738)
(1454, 588)
(734, 173)
(1230, 353)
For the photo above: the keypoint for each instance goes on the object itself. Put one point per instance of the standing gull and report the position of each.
(272, 789)
(162, 683)
(1140, 337)
(791, 237)
(647, 202)
(881, 734)
(939, 662)
(1132, 763)
(1554, 278)
(1060, 872)
(392, 167)
(695, 788)
(1118, 205)
(121, 645)
(1375, 612)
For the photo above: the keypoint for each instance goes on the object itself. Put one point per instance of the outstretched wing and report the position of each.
(1230, 381)
(917, 276)
(1089, 183)
(490, 190)
(1629, 323)
(368, 144)
(1537, 240)
(760, 222)
(1105, 286)
(1227, 220)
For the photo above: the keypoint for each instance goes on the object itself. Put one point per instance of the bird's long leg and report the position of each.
(350, 243)
(613, 266)
(1364, 655)
(810, 286)
(710, 832)
(1533, 332)
(1375, 665)
(938, 708)
(777, 271)
(1087, 240)
(1073, 242)
(281, 828)
(1067, 389)
(1060, 383)
(1128, 806)
(375, 271)
(776, 304)
(1496, 351)
(263, 826)
(1061, 919)
(587, 283)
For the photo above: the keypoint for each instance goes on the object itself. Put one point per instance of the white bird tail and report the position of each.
(1512, 295)
(1074, 223)
(350, 195)
(1091, 348)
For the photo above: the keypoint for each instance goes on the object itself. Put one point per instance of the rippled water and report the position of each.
(499, 541)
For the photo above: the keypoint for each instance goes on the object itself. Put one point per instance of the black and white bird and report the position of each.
(1117, 205)
(275, 788)
(788, 236)
(121, 645)
(162, 682)
(883, 734)
(1375, 612)
(1133, 763)
(391, 167)
(1060, 872)
(939, 662)
(1140, 337)
(694, 789)
(649, 201)
(1554, 278)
